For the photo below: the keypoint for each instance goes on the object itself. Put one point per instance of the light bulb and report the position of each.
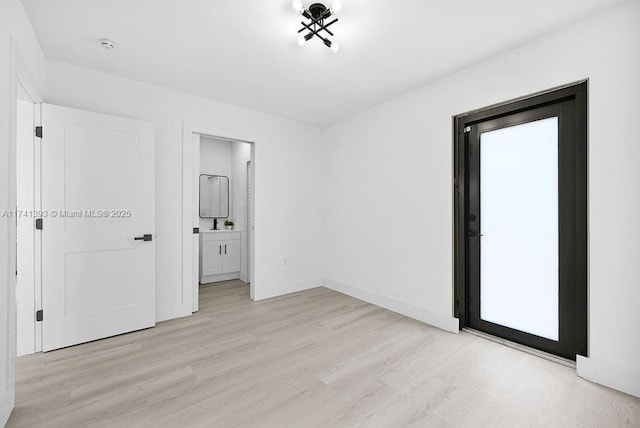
(336, 7)
(335, 47)
(302, 40)
(297, 5)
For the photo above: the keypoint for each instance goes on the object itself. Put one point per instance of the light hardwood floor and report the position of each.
(312, 359)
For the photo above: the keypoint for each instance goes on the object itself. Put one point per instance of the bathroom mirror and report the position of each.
(214, 196)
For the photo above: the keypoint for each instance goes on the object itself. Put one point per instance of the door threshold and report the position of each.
(538, 353)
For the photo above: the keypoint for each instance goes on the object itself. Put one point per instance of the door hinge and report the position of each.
(38, 224)
(39, 131)
(196, 230)
(39, 315)
(467, 129)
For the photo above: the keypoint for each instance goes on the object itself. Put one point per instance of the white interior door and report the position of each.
(98, 196)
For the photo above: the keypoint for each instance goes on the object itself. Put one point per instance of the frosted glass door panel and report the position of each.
(519, 221)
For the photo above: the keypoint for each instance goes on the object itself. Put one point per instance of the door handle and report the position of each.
(472, 233)
(145, 238)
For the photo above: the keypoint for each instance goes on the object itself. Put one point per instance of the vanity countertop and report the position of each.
(218, 231)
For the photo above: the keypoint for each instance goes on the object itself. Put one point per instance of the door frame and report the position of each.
(189, 169)
(26, 308)
(19, 75)
(250, 216)
(28, 290)
(576, 91)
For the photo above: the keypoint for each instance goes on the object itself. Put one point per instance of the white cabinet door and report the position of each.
(212, 255)
(232, 251)
(98, 191)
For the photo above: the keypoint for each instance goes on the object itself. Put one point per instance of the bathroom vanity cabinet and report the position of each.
(220, 255)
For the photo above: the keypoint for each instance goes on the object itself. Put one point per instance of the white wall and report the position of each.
(14, 28)
(290, 188)
(388, 185)
(215, 159)
(215, 156)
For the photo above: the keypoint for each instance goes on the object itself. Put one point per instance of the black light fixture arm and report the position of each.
(314, 32)
(326, 41)
(322, 27)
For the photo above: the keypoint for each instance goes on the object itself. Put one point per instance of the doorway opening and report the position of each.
(222, 208)
(520, 225)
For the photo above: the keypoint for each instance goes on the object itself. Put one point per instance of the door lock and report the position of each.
(472, 233)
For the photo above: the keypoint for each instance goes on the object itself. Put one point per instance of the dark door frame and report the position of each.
(576, 92)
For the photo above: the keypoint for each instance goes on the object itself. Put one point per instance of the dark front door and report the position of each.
(522, 221)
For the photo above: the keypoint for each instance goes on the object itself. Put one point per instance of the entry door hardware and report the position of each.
(38, 224)
(39, 131)
(145, 238)
(39, 315)
(196, 230)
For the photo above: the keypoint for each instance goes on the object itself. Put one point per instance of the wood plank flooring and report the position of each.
(316, 358)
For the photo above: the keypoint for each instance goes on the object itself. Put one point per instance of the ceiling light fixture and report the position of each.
(316, 14)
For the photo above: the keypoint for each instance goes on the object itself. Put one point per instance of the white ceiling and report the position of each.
(244, 52)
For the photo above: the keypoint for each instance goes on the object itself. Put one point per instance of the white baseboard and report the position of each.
(445, 323)
(243, 277)
(267, 292)
(6, 406)
(219, 277)
(607, 374)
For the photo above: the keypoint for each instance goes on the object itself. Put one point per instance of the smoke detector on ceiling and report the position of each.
(107, 44)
